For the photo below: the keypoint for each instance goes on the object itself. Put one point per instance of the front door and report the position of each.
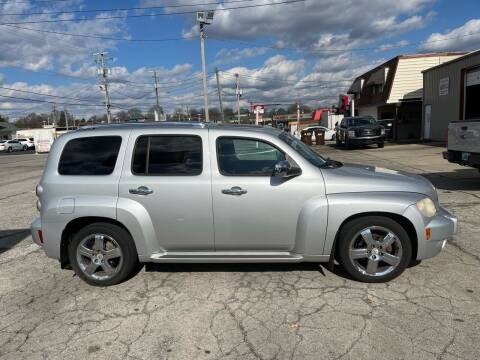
(168, 175)
(253, 211)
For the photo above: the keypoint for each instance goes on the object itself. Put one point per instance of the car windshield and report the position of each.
(362, 121)
(3, 141)
(304, 150)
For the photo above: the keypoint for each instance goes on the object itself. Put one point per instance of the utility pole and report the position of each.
(219, 89)
(238, 93)
(156, 93)
(104, 71)
(204, 18)
(66, 117)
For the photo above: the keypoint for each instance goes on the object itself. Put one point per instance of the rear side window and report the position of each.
(168, 155)
(90, 156)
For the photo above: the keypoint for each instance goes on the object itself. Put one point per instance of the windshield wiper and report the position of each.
(331, 164)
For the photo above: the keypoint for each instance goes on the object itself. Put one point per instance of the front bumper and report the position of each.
(35, 230)
(442, 226)
(366, 140)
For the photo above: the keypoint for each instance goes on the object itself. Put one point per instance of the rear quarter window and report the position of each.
(96, 155)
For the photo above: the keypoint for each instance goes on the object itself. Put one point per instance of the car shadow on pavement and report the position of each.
(10, 238)
(462, 179)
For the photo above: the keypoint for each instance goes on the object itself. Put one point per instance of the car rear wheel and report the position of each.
(374, 249)
(10, 149)
(103, 254)
(25, 147)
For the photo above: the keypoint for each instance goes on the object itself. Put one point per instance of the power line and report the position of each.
(285, 80)
(124, 9)
(42, 94)
(150, 15)
(48, 102)
(101, 37)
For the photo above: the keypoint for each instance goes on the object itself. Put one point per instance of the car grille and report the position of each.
(369, 132)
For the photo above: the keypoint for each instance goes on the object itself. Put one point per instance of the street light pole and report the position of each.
(204, 72)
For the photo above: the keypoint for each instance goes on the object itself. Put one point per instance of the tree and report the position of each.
(3, 118)
(32, 121)
(304, 109)
(135, 114)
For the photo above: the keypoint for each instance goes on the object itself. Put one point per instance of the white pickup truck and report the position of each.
(464, 143)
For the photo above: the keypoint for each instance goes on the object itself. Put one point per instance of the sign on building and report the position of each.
(443, 86)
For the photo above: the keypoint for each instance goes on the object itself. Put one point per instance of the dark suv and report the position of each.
(360, 131)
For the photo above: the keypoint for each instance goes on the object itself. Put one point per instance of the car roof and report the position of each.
(178, 125)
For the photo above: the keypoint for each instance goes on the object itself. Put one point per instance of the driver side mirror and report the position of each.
(283, 169)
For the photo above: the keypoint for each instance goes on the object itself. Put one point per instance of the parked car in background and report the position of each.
(329, 133)
(464, 143)
(358, 130)
(10, 145)
(27, 143)
(113, 196)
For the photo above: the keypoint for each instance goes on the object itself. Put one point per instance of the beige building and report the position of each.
(451, 92)
(393, 91)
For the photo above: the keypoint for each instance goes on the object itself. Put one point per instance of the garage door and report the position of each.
(472, 94)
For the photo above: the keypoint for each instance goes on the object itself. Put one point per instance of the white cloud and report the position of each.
(309, 24)
(36, 51)
(464, 37)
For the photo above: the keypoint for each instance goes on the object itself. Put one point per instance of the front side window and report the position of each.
(96, 155)
(177, 155)
(306, 151)
(247, 157)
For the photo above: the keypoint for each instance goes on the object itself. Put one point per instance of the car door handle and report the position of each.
(236, 190)
(141, 190)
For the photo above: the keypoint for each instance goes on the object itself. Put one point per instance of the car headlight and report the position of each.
(382, 131)
(351, 133)
(427, 207)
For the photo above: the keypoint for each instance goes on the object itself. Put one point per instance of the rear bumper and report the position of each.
(35, 230)
(457, 157)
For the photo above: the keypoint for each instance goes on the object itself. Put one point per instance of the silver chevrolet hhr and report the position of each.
(112, 197)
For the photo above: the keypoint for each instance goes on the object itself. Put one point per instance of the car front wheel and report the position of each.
(374, 249)
(103, 254)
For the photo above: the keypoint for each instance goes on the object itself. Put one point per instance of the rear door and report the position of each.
(168, 174)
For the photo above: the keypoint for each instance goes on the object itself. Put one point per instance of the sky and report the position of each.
(285, 51)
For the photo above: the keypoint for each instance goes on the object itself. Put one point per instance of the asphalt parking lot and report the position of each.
(245, 311)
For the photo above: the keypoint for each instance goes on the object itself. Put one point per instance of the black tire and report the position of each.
(347, 235)
(338, 143)
(124, 240)
(25, 147)
(381, 145)
(10, 149)
(334, 137)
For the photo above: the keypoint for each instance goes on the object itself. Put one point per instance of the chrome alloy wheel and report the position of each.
(99, 256)
(375, 251)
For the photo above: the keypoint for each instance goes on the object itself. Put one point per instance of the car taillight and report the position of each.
(40, 236)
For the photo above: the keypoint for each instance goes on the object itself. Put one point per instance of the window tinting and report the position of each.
(247, 157)
(168, 155)
(90, 156)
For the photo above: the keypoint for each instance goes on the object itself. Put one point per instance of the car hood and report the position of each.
(361, 178)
